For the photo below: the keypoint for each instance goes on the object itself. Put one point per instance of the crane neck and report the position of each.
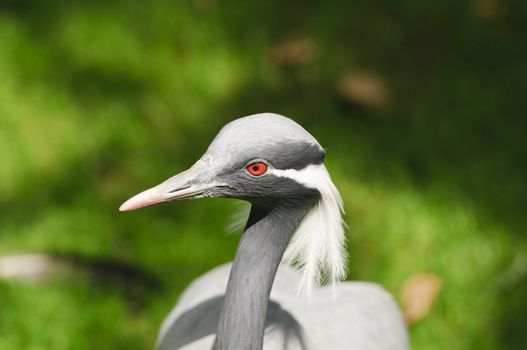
(242, 321)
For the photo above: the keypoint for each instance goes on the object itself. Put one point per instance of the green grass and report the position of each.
(99, 101)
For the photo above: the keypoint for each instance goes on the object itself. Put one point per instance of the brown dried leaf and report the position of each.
(488, 9)
(418, 295)
(205, 5)
(364, 88)
(294, 52)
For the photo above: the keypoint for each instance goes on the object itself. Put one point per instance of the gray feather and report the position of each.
(361, 316)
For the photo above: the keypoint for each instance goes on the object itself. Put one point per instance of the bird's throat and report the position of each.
(242, 320)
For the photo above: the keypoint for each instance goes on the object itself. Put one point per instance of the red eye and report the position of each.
(257, 168)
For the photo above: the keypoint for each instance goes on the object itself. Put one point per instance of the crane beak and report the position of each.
(186, 185)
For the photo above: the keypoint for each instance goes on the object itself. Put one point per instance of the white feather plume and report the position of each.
(317, 247)
(238, 219)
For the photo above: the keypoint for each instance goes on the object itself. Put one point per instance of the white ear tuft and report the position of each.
(317, 247)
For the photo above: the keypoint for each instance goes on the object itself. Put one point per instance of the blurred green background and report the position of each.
(422, 108)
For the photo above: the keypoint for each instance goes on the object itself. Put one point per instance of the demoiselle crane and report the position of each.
(277, 166)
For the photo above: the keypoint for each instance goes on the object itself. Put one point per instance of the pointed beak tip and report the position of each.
(177, 187)
(126, 206)
(141, 200)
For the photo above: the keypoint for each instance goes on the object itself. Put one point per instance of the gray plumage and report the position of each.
(360, 316)
(295, 210)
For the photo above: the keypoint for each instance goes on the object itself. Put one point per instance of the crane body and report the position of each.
(253, 303)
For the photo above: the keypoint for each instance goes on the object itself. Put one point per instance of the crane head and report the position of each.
(268, 159)
(252, 158)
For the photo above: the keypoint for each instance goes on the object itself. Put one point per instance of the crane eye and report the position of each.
(257, 168)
